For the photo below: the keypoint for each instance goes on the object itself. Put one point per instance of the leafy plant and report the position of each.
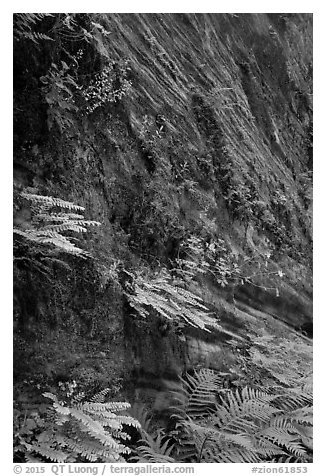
(59, 87)
(48, 223)
(215, 259)
(24, 27)
(155, 445)
(79, 432)
(248, 426)
(207, 258)
(218, 425)
(168, 299)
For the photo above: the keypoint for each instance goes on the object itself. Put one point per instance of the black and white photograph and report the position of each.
(162, 240)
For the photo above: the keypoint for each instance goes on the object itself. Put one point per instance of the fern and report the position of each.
(89, 431)
(155, 445)
(216, 425)
(169, 300)
(48, 225)
(51, 202)
(157, 449)
(196, 397)
(24, 27)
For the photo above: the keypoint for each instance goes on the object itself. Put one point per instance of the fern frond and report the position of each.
(156, 449)
(140, 414)
(51, 201)
(302, 415)
(49, 453)
(100, 396)
(242, 425)
(169, 300)
(240, 410)
(69, 226)
(24, 24)
(108, 406)
(91, 430)
(295, 398)
(196, 397)
(88, 448)
(59, 217)
(47, 227)
(233, 455)
(33, 36)
(52, 238)
(32, 459)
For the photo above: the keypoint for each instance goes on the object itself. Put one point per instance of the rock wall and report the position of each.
(204, 128)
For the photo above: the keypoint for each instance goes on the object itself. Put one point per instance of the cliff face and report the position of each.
(166, 128)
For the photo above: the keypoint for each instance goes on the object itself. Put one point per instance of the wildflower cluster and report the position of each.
(109, 85)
